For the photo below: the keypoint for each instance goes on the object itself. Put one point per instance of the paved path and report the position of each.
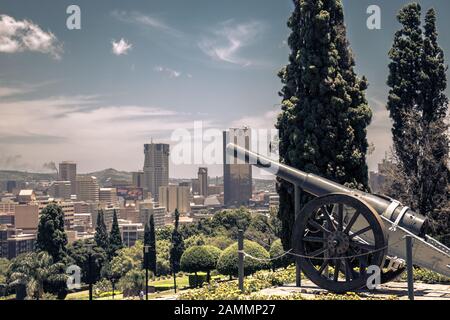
(400, 289)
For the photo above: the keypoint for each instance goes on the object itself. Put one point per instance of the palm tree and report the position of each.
(33, 269)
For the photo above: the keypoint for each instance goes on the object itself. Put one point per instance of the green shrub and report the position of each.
(228, 261)
(132, 283)
(195, 240)
(427, 276)
(276, 250)
(197, 280)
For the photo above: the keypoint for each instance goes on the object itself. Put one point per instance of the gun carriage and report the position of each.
(342, 232)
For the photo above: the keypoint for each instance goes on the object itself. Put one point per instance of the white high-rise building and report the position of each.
(87, 188)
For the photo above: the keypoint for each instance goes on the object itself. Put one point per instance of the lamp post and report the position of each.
(146, 249)
(89, 246)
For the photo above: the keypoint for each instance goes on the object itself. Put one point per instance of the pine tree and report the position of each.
(150, 241)
(115, 239)
(325, 114)
(405, 100)
(176, 249)
(101, 233)
(51, 236)
(418, 107)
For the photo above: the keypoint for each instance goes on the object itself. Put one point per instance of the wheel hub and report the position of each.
(338, 242)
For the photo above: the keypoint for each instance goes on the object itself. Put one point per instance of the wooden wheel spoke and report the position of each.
(328, 218)
(360, 232)
(314, 239)
(340, 217)
(317, 252)
(318, 226)
(337, 268)
(351, 222)
(323, 266)
(349, 272)
(362, 246)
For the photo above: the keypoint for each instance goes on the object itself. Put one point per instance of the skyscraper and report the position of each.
(68, 172)
(87, 188)
(237, 176)
(137, 179)
(156, 167)
(203, 181)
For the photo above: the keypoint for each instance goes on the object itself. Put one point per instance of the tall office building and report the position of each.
(237, 175)
(156, 167)
(203, 181)
(60, 190)
(68, 172)
(137, 179)
(175, 197)
(87, 188)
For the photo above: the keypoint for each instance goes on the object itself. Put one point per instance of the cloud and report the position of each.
(264, 121)
(226, 41)
(143, 20)
(24, 35)
(169, 72)
(121, 47)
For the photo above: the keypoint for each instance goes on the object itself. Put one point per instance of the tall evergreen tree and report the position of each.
(176, 249)
(324, 114)
(51, 236)
(101, 233)
(150, 241)
(115, 239)
(418, 107)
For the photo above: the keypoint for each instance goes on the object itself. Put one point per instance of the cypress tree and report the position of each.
(51, 236)
(176, 250)
(418, 107)
(150, 241)
(325, 114)
(101, 233)
(115, 239)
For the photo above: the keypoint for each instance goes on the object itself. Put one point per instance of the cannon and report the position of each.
(343, 232)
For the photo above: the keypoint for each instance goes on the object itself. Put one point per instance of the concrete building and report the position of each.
(137, 179)
(108, 195)
(215, 189)
(26, 217)
(14, 242)
(148, 208)
(174, 197)
(237, 174)
(87, 188)
(108, 214)
(203, 181)
(156, 167)
(130, 212)
(60, 190)
(26, 196)
(68, 172)
(130, 232)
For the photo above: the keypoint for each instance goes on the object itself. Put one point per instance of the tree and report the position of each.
(200, 258)
(322, 126)
(163, 257)
(418, 107)
(150, 241)
(79, 252)
(101, 233)
(33, 270)
(176, 250)
(132, 283)
(115, 239)
(228, 261)
(195, 240)
(51, 236)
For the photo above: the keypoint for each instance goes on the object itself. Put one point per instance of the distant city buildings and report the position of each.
(137, 179)
(156, 167)
(237, 175)
(61, 190)
(68, 172)
(148, 208)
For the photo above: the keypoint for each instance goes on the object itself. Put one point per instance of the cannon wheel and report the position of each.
(323, 238)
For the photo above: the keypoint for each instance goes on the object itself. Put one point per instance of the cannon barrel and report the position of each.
(318, 186)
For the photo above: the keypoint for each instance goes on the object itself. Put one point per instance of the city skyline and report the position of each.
(110, 87)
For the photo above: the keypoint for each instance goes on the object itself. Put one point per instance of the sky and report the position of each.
(137, 71)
